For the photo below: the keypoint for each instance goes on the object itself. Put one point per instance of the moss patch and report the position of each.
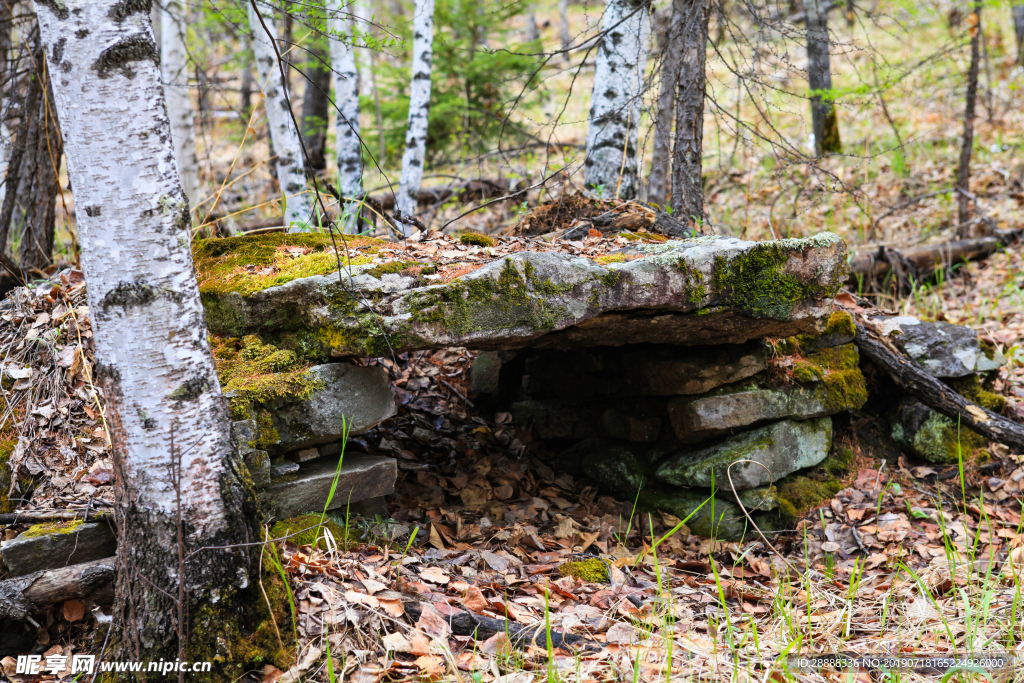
(258, 373)
(592, 569)
(757, 284)
(6, 449)
(610, 258)
(49, 528)
(252, 263)
(970, 388)
(476, 239)
(803, 491)
(312, 528)
(940, 440)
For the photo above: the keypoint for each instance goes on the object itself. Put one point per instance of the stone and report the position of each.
(761, 499)
(632, 427)
(485, 376)
(361, 477)
(255, 459)
(933, 437)
(774, 451)
(703, 290)
(711, 516)
(59, 544)
(349, 397)
(281, 467)
(306, 454)
(667, 371)
(944, 350)
(553, 419)
(842, 387)
(615, 467)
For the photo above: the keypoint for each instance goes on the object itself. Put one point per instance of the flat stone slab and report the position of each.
(774, 451)
(362, 477)
(703, 290)
(944, 350)
(347, 395)
(49, 546)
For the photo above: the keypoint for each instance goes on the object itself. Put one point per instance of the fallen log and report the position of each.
(935, 394)
(20, 596)
(42, 516)
(465, 623)
(926, 260)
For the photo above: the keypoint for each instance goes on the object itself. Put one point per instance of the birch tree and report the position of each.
(175, 68)
(316, 102)
(563, 26)
(346, 96)
(610, 169)
(688, 147)
(419, 111)
(178, 476)
(824, 122)
(661, 162)
(963, 171)
(291, 167)
(1017, 9)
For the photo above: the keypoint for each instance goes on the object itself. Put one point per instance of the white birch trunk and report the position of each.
(175, 68)
(563, 26)
(532, 30)
(362, 23)
(611, 166)
(155, 363)
(419, 111)
(346, 97)
(291, 167)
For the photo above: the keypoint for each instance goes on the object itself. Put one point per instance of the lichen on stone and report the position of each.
(592, 569)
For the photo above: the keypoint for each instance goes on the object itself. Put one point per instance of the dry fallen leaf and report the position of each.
(74, 610)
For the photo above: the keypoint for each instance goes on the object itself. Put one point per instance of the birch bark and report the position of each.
(1017, 9)
(563, 26)
(611, 166)
(419, 111)
(346, 97)
(291, 168)
(156, 369)
(175, 68)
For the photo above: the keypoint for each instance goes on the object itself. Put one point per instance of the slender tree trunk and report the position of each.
(291, 168)
(658, 185)
(180, 482)
(532, 31)
(563, 25)
(824, 121)
(346, 131)
(175, 68)
(687, 153)
(316, 104)
(246, 95)
(963, 171)
(1018, 29)
(361, 22)
(611, 168)
(419, 111)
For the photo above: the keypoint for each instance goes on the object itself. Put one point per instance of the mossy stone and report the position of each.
(311, 528)
(717, 517)
(934, 437)
(592, 570)
(476, 239)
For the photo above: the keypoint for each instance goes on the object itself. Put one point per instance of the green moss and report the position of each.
(391, 267)
(52, 528)
(798, 494)
(592, 569)
(805, 371)
(477, 239)
(611, 279)
(266, 434)
(252, 263)
(632, 237)
(312, 528)
(839, 462)
(757, 283)
(610, 258)
(939, 440)
(696, 290)
(837, 369)
(6, 449)
(256, 373)
(841, 323)
(970, 388)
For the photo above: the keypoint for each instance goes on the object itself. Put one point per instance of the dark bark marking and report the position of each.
(190, 389)
(128, 295)
(120, 56)
(92, 211)
(58, 50)
(126, 8)
(55, 6)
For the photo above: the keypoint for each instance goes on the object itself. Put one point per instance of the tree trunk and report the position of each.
(658, 187)
(316, 104)
(246, 95)
(346, 131)
(611, 166)
(291, 168)
(963, 171)
(419, 112)
(824, 121)
(175, 68)
(1018, 29)
(361, 22)
(532, 32)
(180, 483)
(687, 167)
(563, 26)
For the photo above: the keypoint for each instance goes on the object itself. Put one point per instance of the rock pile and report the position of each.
(671, 424)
